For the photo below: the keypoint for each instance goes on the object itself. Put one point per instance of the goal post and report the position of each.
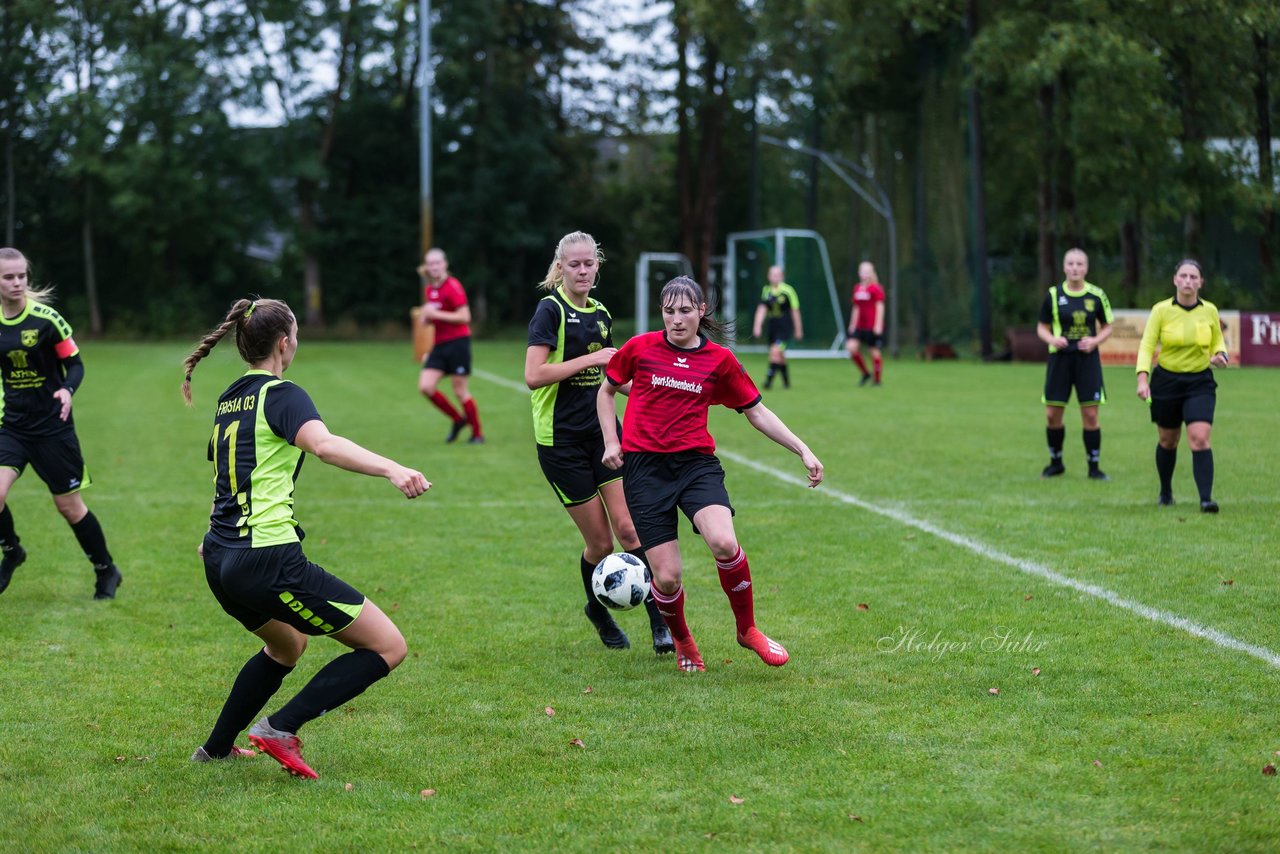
(653, 270)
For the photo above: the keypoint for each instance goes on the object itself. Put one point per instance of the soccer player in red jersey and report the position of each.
(444, 306)
(866, 322)
(676, 375)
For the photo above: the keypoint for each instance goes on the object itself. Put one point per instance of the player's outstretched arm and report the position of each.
(314, 438)
(607, 412)
(763, 419)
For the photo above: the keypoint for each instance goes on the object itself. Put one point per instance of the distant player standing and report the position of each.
(676, 375)
(866, 322)
(444, 306)
(1075, 318)
(570, 342)
(780, 306)
(1182, 389)
(40, 369)
(253, 560)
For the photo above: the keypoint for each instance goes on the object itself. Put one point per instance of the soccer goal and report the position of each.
(653, 270)
(802, 255)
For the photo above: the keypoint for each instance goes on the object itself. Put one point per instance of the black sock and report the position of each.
(89, 535)
(8, 536)
(1202, 471)
(773, 369)
(1166, 459)
(1093, 447)
(258, 682)
(1056, 436)
(343, 679)
(786, 374)
(594, 608)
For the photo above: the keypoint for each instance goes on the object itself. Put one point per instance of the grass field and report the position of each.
(1114, 726)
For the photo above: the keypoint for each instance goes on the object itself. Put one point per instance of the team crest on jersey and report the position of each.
(1089, 305)
(30, 337)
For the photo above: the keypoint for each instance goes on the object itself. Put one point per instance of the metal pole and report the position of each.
(424, 121)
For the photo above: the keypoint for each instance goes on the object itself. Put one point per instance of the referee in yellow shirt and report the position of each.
(1181, 389)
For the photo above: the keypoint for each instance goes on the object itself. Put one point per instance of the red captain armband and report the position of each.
(66, 348)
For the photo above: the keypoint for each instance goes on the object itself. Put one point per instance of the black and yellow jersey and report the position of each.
(35, 348)
(779, 302)
(255, 463)
(1075, 314)
(565, 412)
(1188, 337)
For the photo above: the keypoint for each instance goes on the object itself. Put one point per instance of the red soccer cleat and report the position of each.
(283, 747)
(688, 658)
(770, 651)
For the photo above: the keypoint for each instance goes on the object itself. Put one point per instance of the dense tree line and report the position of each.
(161, 157)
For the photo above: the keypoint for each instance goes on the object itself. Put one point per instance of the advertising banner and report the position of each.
(1259, 338)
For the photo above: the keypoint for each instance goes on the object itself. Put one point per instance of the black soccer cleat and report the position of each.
(1054, 469)
(866, 378)
(1098, 474)
(476, 440)
(610, 635)
(1209, 506)
(1165, 499)
(662, 640)
(454, 430)
(13, 558)
(108, 580)
(663, 644)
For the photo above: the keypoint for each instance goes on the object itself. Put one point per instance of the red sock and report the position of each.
(442, 403)
(672, 610)
(877, 362)
(735, 580)
(857, 360)
(473, 416)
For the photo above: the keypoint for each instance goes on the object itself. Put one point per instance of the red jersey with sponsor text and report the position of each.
(673, 389)
(446, 296)
(865, 297)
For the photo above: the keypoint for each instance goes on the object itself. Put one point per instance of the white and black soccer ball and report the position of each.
(620, 581)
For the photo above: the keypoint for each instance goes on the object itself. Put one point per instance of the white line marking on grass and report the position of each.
(502, 381)
(1030, 567)
(1156, 615)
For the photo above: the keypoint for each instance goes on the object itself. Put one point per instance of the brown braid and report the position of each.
(259, 324)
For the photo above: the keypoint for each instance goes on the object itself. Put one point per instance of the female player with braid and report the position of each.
(254, 565)
(676, 375)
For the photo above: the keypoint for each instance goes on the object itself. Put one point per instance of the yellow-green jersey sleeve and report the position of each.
(1150, 337)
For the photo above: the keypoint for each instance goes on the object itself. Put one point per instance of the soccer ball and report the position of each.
(620, 581)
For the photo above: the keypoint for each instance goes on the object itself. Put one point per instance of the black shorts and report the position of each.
(869, 338)
(577, 471)
(55, 459)
(1182, 398)
(256, 586)
(658, 484)
(1068, 369)
(780, 331)
(451, 357)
